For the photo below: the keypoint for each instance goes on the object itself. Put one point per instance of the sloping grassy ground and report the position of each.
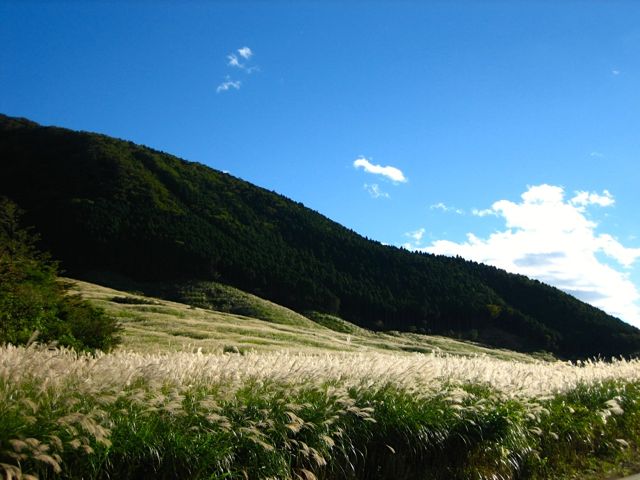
(224, 298)
(153, 325)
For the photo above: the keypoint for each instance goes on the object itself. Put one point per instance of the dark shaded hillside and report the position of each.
(107, 204)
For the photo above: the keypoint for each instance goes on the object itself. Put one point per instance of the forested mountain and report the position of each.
(103, 204)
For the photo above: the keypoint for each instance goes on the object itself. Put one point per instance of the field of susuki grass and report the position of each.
(285, 415)
(197, 393)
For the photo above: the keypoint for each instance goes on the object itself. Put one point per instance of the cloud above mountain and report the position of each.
(239, 59)
(552, 238)
(391, 173)
(375, 191)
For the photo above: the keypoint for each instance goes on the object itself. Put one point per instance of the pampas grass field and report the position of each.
(288, 415)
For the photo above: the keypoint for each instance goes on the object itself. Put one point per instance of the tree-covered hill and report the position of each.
(103, 204)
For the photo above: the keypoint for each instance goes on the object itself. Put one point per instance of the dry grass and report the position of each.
(174, 327)
(419, 374)
(302, 411)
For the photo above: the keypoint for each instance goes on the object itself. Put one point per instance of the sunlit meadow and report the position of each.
(293, 415)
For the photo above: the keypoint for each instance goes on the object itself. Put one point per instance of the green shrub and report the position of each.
(34, 302)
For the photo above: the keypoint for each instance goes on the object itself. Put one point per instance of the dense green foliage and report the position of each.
(34, 304)
(107, 204)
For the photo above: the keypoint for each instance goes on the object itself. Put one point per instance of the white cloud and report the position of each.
(416, 239)
(584, 199)
(228, 84)
(245, 52)
(392, 173)
(551, 239)
(375, 191)
(596, 155)
(615, 72)
(416, 235)
(446, 208)
(234, 61)
(483, 213)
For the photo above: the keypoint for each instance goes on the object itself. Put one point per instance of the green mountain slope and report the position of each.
(103, 204)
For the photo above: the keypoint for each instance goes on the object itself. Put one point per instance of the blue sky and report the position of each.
(496, 114)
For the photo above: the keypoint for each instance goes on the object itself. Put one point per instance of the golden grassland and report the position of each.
(194, 393)
(156, 325)
(308, 415)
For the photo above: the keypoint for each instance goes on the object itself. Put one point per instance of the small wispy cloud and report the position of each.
(596, 155)
(446, 208)
(392, 173)
(483, 213)
(245, 52)
(583, 199)
(228, 84)
(615, 72)
(233, 61)
(375, 191)
(416, 235)
(416, 239)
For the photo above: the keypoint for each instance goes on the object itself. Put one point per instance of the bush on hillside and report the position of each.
(34, 302)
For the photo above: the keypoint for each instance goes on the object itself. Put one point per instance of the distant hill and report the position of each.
(103, 204)
(246, 323)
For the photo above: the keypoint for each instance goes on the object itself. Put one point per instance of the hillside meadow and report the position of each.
(197, 393)
(153, 325)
